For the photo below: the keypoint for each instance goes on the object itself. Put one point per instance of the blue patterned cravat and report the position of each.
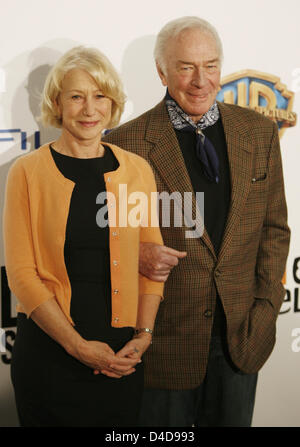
(205, 150)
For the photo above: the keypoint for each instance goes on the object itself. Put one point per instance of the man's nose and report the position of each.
(199, 79)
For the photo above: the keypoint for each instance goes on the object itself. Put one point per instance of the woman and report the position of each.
(77, 356)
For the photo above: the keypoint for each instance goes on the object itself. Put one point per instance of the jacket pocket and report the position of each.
(259, 178)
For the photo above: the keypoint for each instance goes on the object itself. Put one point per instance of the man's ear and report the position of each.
(161, 75)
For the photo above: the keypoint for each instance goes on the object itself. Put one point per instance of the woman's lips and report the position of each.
(89, 123)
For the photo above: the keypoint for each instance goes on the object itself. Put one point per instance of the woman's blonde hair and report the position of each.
(98, 66)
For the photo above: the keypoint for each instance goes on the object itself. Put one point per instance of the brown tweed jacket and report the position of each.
(251, 262)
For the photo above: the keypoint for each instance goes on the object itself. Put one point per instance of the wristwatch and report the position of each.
(143, 329)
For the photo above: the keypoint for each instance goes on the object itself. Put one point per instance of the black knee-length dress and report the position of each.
(51, 387)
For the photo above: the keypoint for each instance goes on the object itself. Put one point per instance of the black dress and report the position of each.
(51, 387)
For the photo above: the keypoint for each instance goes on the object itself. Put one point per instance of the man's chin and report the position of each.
(197, 112)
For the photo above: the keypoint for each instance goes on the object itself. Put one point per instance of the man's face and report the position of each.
(192, 71)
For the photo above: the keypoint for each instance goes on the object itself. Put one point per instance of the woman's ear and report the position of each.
(57, 107)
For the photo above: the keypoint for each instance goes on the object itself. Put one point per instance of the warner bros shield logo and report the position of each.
(261, 92)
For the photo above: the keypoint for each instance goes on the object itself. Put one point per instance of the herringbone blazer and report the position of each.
(248, 270)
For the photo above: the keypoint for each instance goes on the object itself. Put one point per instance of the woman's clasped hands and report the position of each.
(102, 359)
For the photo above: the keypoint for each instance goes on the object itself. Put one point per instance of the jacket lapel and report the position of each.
(240, 162)
(168, 160)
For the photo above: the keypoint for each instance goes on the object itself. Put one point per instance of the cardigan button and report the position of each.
(116, 319)
(114, 233)
(115, 262)
(116, 291)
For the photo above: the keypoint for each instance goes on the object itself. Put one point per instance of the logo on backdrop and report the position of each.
(14, 142)
(9, 136)
(261, 92)
(8, 322)
(292, 299)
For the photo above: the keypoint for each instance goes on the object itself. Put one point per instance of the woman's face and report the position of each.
(84, 110)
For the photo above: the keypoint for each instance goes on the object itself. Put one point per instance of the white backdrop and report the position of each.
(262, 35)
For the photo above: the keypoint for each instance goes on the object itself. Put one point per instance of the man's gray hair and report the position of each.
(175, 27)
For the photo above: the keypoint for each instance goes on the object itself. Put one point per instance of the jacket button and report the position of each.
(217, 273)
(208, 313)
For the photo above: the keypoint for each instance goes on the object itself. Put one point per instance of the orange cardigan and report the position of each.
(35, 216)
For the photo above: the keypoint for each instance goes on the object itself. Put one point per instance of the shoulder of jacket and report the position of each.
(134, 124)
(245, 113)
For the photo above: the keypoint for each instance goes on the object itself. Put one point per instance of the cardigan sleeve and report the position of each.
(150, 231)
(22, 274)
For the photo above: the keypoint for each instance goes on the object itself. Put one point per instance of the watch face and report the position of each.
(144, 329)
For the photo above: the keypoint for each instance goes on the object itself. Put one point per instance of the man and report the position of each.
(216, 326)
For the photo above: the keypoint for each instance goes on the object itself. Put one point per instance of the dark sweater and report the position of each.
(216, 196)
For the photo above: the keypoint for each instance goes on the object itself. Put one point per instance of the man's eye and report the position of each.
(76, 97)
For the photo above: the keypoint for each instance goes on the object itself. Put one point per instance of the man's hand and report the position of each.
(156, 261)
